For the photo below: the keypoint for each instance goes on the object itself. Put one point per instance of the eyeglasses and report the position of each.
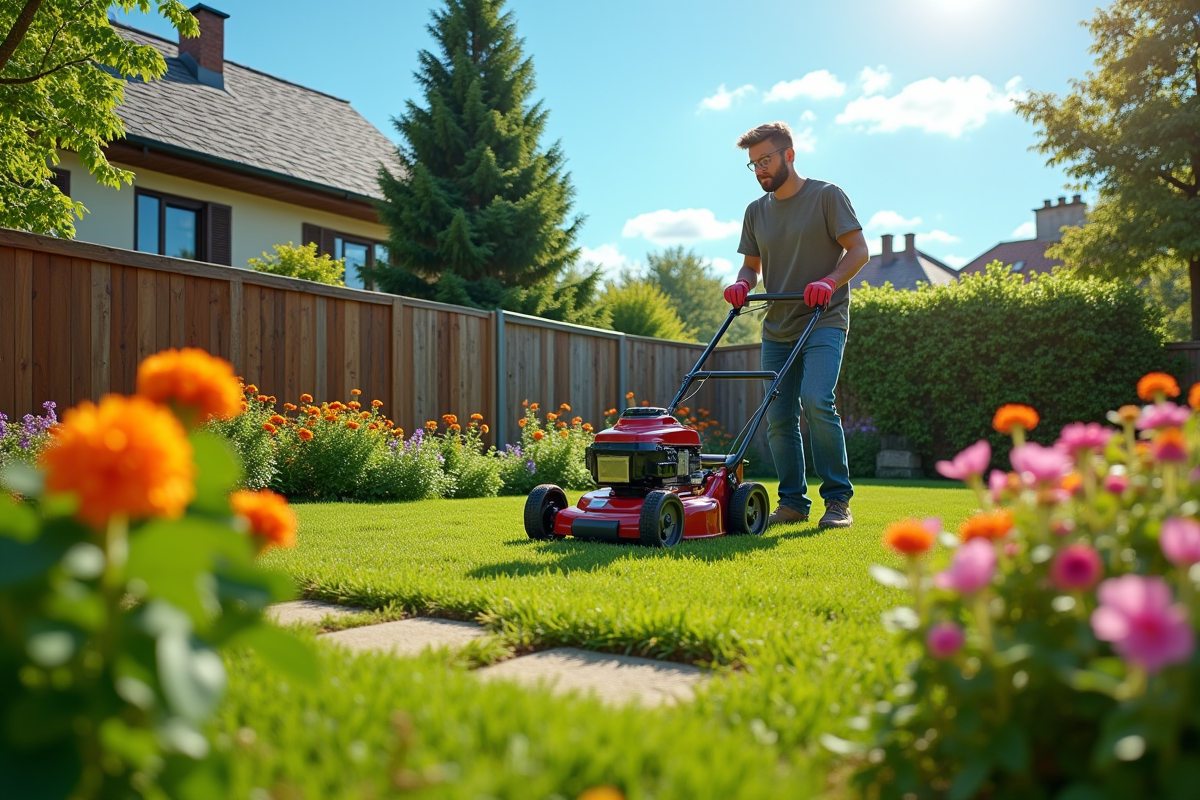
(765, 161)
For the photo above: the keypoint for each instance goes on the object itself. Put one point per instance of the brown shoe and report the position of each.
(837, 515)
(784, 515)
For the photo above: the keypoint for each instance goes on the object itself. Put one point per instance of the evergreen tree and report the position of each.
(478, 207)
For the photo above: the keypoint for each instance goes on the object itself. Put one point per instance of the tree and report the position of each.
(696, 294)
(62, 74)
(1132, 130)
(640, 308)
(476, 196)
(302, 262)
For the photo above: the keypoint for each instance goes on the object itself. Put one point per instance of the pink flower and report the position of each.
(1063, 527)
(1037, 464)
(1180, 541)
(944, 640)
(1136, 616)
(970, 463)
(1162, 415)
(997, 483)
(1076, 567)
(1115, 483)
(972, 568)
(1083, 436)
(1011, 549)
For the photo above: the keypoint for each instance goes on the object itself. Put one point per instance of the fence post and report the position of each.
(501, 383)
(622, 373)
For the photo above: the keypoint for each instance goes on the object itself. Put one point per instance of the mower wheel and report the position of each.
(542, 505)
(661, 523)
(748, 509)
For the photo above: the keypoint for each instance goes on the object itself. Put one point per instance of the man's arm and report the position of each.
(751, 270)
(852, 260)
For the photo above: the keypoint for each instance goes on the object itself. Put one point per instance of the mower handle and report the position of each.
(785, 296)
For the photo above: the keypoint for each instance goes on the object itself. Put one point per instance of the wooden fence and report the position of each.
(77, 318)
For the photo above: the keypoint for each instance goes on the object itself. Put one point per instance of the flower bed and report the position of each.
(23, 441)
(1058, 641)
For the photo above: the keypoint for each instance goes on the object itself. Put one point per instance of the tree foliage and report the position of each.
(62, 74)
(695, 292)
(639, 307)
(302, 262)
(476, 195)
(1129, 129)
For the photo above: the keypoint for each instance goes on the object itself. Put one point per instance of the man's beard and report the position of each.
(776, 179)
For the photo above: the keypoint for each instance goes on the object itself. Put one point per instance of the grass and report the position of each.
(790, 621)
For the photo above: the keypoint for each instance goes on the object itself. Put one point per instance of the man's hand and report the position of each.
(735, 293)
(818, 293)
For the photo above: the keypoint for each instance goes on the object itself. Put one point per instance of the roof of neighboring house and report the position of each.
(1026, 256)
(258, 123)
(904, 271)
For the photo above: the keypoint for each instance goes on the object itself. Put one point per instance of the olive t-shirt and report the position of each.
(796, 239)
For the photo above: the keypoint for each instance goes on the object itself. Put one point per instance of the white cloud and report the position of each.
(1026, 230)
(874, 245)
(952, 106)
(724, 98)
(818, 85)
(805, 141)
(874, 80)
(807, 116)
(686, 226)
(722, 266)
(608, 257)
(891, 222)
(954, 261)
(936, 237)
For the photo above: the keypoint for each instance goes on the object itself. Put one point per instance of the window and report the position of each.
(358, 251)
(62, 179)
(182, 228)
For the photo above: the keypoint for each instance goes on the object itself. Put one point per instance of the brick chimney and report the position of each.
(910, 244)
(204, 55)
(1051, 219)
(887, 248)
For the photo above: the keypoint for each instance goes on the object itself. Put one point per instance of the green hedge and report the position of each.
(935, 364)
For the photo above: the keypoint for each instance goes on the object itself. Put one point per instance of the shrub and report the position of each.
(640, 308)
(406, 469)
(925, 362)
(1058, 646)
(254, 446)
(862, 446)
(472, 469)
(556, 451)
(21, 442)
(323, 452)
(301, 262)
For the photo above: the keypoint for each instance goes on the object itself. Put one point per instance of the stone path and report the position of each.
(614, 679)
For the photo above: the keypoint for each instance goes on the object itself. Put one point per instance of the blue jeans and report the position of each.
(808, 385)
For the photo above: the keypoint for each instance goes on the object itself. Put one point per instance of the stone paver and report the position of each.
(613, 678)
(309, 612)
(407, 637)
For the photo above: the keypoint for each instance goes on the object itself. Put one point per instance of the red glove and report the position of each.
(735, 294)
(818, 293)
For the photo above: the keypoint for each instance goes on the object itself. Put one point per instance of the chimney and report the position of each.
(204, 55)
(887, 248)
(910, 244)
(1076, 198)
(1051, 219)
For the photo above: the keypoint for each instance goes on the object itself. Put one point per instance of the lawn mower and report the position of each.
(656, 487)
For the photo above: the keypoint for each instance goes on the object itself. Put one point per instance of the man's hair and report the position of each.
(777, 132)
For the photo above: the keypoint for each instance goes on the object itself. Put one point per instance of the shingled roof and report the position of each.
(257, 123)
(1026, 256)
(904, 269)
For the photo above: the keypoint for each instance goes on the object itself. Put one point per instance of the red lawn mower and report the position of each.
(656, 487)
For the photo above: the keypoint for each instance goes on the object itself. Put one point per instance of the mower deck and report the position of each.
(601, 516)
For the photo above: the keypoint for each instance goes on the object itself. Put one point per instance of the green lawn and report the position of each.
(790, 620)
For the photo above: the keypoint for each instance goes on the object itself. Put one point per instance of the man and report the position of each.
(801, 236)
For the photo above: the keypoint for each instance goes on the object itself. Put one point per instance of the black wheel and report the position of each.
(542, 505)
(748, 509)
(661, 523)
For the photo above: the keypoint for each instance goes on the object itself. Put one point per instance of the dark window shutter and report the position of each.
(327, 246)
(62, 179)
(220, 234)
(309, 234)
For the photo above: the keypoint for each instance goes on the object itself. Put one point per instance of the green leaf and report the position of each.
(282, 650)
(1086, 680)
(967, 783)
(217, 472)
(25, 562)
(48, 773)
(17, 521)
(39, 718)
(1011, 747)
(192, 675)
(23, 479)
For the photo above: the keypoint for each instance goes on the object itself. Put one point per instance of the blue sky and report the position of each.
(903, 103)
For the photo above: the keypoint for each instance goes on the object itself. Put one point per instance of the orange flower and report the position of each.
(267, 516)
(525, 403)
(909, 537)
(262, 398)
(331, 417)
(252, 389)
(576, 420)
(1013, 414)
(244, 406)
(1169, 445)
(355, 392)
(484, 428)
(201, 384)
(388, 423)
(268, 427)
(1071, 483)
(278, 420)
(684, 410)
(537, 435)
(987, 525)
(352, 425)
(126, 456)
(398, 433)
(272, 400)
(449, 419)
(587, 426)
(289, 407)
(312, 411)
(354, 404)
(645, 402)
(1194, 396)
(551, 416)
(374, 426)
(454, 427)
(602, 793)
(533, 406)
(1157, 386)
(629, 395)
(477, 417)
(610, 412)
(1129, 413)
(431, 425)
(563, 434)
(522, 422)
(305, 434)
(564, 407)
(365, 415)
(306, 398)
(561, 425)
(376, 403)
(703, 412)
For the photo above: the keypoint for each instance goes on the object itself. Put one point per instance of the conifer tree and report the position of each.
(479, 208)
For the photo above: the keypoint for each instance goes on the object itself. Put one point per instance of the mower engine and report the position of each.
(647, 449)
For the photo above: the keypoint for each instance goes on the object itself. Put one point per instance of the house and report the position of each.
(229, 161)
(1028, 256)
(904, 269)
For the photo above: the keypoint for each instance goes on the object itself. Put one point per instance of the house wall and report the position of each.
(258, 223)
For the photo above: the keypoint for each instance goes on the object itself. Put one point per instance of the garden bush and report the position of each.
(301, 262)
(550, 452)
(21, 442)
(924, 362)
(1058, 644)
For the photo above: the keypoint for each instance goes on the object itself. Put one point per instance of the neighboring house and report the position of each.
(229, 161)
(904, 269)
(1028, 256)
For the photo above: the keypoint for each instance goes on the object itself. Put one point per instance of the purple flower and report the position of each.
(1162, 415)
(944, 640)
(441, 458)
(1180, 541)
(532, 467)
(1075, 568)
(24, 442)
(1037, 464)
(970, 463)
(972, 568)
(1137, 617)
(1083, 436)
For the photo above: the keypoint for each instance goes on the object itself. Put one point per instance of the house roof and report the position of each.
(904, 270)
(1026, 256)
(257, 123)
